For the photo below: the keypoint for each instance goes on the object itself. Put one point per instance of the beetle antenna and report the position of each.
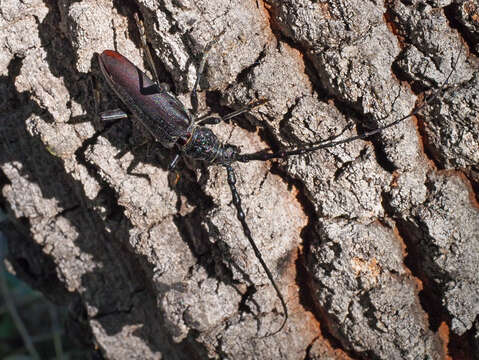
(199, 71)
(241, 217)
(266, 155)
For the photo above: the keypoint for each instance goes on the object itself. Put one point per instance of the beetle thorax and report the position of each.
(204, 145)
(201, 145)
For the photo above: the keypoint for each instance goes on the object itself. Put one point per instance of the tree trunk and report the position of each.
(374, 244)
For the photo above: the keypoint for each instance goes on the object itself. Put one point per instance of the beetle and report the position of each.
(172, 125)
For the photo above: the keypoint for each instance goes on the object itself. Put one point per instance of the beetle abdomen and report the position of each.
(160, 112)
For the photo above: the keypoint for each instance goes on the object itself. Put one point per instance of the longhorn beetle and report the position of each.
(171, 124)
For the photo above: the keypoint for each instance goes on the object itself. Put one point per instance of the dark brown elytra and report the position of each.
(172, 125)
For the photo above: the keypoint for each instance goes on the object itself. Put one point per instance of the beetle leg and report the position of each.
(165, 86)
(199, 72)
(173, 178)
(146, 49)
(212, 120)
(109, 115)
(96, 94)
(115, 114)
(174, 162)
(217, 119)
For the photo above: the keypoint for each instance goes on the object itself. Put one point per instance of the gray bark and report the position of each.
(374, 243)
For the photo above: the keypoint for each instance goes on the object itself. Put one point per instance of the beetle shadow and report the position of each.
(36, 164)
(116, 288)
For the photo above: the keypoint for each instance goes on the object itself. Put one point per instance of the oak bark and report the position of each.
(374, 243)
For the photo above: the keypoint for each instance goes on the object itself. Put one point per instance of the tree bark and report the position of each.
(373, 243)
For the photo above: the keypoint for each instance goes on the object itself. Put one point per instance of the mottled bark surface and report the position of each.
(374, 243)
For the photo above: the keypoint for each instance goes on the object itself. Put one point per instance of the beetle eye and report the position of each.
(184, 139)
(181, 141)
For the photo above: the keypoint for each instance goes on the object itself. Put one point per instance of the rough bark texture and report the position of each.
(374, 243)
